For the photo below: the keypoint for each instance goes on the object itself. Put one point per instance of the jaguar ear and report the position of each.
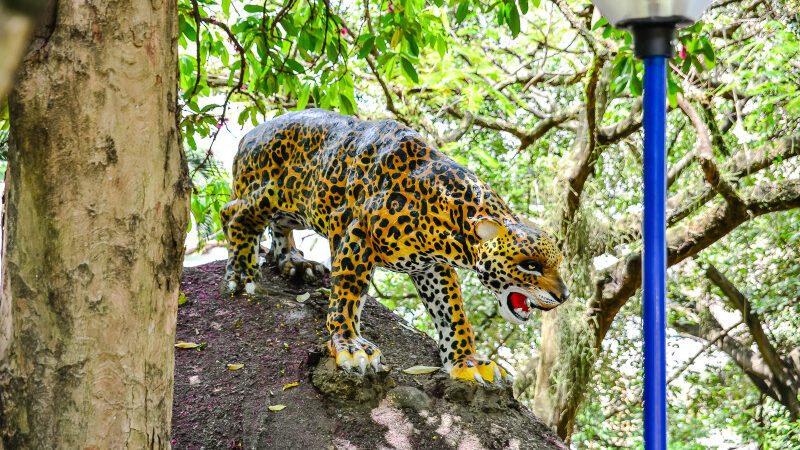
(487, 229)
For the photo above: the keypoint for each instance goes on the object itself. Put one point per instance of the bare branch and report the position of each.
(706, 157)
(526, 136)
(742, 163)
(784, 377)
(624, 128)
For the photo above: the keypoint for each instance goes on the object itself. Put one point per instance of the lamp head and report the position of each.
(627, 13)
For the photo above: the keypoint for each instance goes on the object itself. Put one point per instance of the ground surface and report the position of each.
(280, 341)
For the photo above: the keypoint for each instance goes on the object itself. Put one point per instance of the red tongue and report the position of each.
(518, 301)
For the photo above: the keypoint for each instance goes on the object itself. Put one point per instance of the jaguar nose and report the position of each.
(564, 292)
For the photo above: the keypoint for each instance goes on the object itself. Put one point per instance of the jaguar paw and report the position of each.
(479, 370)
(355, 354)
(240, 280)
(294, 266)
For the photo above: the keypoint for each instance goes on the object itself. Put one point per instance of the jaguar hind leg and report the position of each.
(243, 222)
(290, 261)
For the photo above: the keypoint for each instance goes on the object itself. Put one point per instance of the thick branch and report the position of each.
(612, 292)
(706, 157)
(586, 154)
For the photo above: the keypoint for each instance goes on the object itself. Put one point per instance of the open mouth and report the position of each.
(520, 305)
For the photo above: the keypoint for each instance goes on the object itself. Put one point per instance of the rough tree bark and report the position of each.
(96, 213)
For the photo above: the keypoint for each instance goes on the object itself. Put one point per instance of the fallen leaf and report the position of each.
(234, 366)
(291, 385)
(303, 297)
(324, 291)
(182, 344)
(419, 370)
(276, 407)
(181, 298)
(194, 379)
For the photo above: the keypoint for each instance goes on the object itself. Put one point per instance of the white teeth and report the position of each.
(521, 312)
(528, 303)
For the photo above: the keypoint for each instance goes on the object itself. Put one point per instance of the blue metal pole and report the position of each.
(655, 253)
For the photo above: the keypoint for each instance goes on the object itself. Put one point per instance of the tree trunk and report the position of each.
(96, 214)
(566, 361)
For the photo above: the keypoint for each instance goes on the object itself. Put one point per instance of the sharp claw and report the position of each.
(345, 365)
(478, 377)
(231, 285)
(250, 287)
(361, 360)
(292, 271)
(309, 272)
(497, 376)
(510, 378)
(376, 363)
(362, 365)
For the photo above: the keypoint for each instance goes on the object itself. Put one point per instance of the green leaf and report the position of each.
(708, 53)
(412, 45)
(409, 69)
(187, 29)
(226, 7)
(463, 9)
(346, 105)
(635, 85)
(366, 47)
(513, 20)
(302, 98)
(600, 23)
(332, 52)
(254, 9)
(523, 6)
(295, 66)
(672, 92)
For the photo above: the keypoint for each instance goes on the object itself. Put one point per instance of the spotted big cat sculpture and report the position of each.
(384, 198)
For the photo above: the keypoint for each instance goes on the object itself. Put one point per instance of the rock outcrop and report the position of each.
(289, 395)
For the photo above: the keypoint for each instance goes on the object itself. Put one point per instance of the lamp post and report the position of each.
(653, 23)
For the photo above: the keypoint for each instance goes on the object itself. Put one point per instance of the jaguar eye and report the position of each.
(530, 267)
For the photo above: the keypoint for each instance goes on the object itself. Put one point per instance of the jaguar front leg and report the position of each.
(351, 269)
(439, 289)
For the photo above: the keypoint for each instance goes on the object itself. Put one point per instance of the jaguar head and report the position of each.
(519, 264)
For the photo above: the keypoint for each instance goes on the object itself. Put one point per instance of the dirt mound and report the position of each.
(288, 394)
